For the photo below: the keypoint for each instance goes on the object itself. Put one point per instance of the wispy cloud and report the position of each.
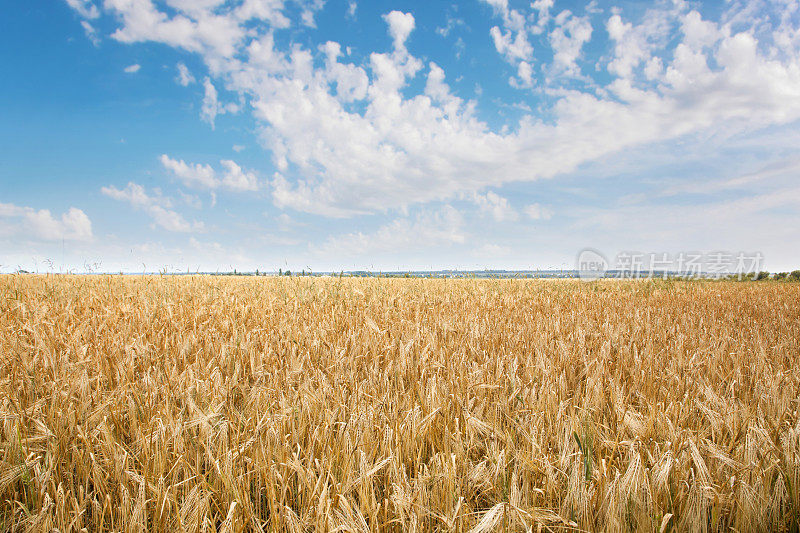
(156, 206)
(443, 227)
(185, 77)
(232, 176)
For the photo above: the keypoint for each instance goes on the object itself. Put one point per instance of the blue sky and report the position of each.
(338, 135)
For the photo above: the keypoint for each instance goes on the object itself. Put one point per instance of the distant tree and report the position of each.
(794, 275)
(256, 272)
(762, 276)
(280, 272)
(781, 275)
(288, 272)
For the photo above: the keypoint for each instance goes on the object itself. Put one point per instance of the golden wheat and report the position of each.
(242, 404)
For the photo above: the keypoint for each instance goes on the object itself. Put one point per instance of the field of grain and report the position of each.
(307, 404)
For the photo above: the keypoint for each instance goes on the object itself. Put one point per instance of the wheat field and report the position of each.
(201, 403)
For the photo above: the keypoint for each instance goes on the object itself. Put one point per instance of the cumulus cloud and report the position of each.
(132, 69)
(351, 82)
(525, 74)
(212, 107)
(400, 26)
(156, 206)
(567, 40)
(309, 10)
(237, 179)
(201, 176)
(212, 27)
(232, 177)
(512, 40)
(350, 138)
(196, 29)
(270, 11)
(40, 224)
(496, 206)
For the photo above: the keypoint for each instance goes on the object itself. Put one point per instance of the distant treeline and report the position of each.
(794, 275)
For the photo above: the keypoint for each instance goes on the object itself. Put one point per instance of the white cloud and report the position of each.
(542, 8)
(202, 176)
(512, 41)
(191, 200)
(538, 212)
(268, 10)
(400, 26)
(352, 6)
(233, 177)
(350, 138)
(40, 224)
(525, 73)
(439, 91)
(85, 8)
(185, 77)
(208, 27)
(196, 29)
(132, 69)
(173, 221)
(699, 33)
(635, 43)
(451, 23)
(76, 225)
(91, 32)
(212, 107)
(157, 207)
(413, 138)
(351, 82)
(567, 39)
(309, 10)
(237, 179)
(496, 206)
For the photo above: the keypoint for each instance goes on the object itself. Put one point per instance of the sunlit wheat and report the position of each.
(309, 404)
